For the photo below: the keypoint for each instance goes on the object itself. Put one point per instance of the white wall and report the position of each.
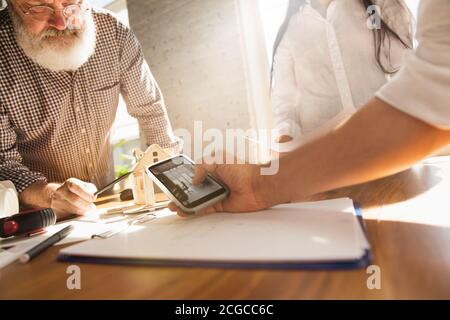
(193, 50)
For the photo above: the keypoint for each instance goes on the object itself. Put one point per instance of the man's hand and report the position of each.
(73, 197)
(243, 185)
(377, 141)
(284, 139)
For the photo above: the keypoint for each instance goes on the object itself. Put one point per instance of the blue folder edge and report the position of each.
(363, 262)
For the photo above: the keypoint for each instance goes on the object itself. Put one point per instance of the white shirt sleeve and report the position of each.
(285, 93)
(422, 87)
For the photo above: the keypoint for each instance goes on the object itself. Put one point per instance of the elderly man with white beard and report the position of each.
(63, 66)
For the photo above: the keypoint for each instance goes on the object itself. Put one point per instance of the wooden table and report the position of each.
(408, 220)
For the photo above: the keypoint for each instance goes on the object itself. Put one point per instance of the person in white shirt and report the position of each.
(330, 57)
(408, 120)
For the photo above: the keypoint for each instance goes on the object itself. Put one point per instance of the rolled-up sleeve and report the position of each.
(11, 167)
(142, 95)
(422, 87)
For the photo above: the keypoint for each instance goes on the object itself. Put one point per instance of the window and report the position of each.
(272, 15)
(125, 130)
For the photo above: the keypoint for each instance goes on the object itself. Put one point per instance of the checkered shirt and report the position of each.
(56, 125)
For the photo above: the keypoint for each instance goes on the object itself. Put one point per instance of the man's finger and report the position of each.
(82, 189)
(201, 172)
(67, 207)
(65, 195)
(183, 214)
(172, 207)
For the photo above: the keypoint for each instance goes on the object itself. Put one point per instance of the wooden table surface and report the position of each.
(408, 221)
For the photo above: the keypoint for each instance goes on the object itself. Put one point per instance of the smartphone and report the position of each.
(174, 177)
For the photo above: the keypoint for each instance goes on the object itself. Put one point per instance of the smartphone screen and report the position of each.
(176, 175)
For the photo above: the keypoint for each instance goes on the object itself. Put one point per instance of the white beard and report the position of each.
(57, 55)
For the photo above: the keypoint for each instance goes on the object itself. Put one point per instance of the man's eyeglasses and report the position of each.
(43, 13)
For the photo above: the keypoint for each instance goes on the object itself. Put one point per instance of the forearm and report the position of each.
(377, 141)
(38, 195)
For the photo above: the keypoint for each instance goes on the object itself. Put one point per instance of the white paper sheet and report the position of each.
(309, 232)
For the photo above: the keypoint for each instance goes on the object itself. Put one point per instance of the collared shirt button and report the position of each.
(90, 165)
(88, 151)
(77, 109)
(83, 130)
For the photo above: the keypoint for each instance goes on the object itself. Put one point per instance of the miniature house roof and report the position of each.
(153, 154)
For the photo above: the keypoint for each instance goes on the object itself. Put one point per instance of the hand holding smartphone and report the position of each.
(174, 177)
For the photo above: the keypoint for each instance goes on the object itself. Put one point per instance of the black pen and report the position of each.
(46, 244)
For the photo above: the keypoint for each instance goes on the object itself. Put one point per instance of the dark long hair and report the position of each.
(379, 35)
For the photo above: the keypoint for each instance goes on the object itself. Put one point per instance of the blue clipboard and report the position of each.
(362, 262)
